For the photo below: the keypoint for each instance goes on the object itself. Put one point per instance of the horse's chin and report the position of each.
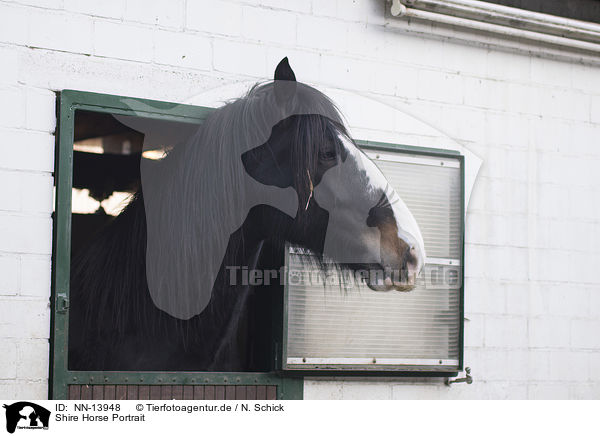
(384, 288)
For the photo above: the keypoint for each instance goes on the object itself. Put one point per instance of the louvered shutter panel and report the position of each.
(348, 326)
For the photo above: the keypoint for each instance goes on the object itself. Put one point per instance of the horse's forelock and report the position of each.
(306, 134)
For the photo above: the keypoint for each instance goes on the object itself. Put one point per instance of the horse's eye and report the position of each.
(327, 155)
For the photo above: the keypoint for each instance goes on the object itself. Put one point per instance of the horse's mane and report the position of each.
(187, 198)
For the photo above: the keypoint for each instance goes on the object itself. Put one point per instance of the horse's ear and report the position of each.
(284, 71)
(285, 81)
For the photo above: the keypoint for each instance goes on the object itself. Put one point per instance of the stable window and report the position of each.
(308, 326)
(98, 156)
(335, 323)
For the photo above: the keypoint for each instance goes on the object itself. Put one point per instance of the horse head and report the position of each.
(347, 211)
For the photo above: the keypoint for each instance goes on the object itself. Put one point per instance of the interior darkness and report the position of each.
(116, 169)
(585, 10)
(114, 166)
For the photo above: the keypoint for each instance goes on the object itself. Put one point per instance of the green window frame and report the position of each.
(65, 383)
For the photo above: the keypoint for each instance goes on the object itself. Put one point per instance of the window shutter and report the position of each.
(332, 327)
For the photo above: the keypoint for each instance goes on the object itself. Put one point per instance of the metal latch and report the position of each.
(62, 303)
(467, 379)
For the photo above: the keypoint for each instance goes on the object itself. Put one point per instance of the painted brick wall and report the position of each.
(533, 225)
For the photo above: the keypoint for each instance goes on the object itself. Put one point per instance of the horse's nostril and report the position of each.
(380, 215)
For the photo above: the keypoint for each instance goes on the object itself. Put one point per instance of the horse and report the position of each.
(158, 288)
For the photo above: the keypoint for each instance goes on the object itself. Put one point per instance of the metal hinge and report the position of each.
(62, 303)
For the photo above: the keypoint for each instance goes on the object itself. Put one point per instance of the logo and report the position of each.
(26, 415)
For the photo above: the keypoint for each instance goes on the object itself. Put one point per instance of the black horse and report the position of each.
(142, 296)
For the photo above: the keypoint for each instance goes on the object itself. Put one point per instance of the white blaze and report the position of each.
(344, 185)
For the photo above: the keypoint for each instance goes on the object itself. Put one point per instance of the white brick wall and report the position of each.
(533, 225)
